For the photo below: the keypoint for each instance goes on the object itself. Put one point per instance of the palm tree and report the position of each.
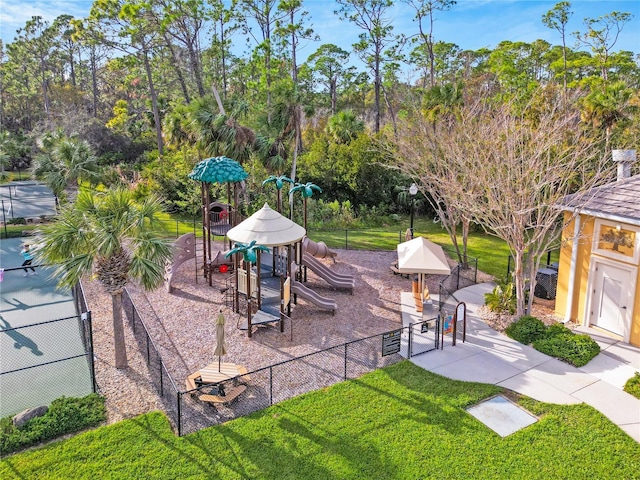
(248, 251)
(66, 161)
(307, 192)
(111, 236)
(344, 127)
(279, 182)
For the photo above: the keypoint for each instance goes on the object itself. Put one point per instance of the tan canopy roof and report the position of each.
(422, 256)
(267, 227)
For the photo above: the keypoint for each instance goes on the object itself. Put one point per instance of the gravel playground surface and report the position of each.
(182, 325)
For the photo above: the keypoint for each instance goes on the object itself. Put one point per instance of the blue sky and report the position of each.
(471, 24)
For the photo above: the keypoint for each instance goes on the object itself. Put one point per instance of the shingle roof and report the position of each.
(620, 199)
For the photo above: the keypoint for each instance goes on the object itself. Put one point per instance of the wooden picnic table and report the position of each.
(210, 377)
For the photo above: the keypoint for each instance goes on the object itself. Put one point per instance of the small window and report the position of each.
(617, 241)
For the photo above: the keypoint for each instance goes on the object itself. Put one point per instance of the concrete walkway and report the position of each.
(488, 356)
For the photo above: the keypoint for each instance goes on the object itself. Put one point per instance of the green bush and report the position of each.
(578, 350)
(633, 385)
(526, 330)
(501, 299)
(65, 415)
(557, 329)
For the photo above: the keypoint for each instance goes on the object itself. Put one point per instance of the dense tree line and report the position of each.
(161, 82)
(139, 91)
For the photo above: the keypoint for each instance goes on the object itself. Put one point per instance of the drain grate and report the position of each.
(502, 415)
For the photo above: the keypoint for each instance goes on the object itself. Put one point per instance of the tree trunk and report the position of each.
(94, 81)
(154, 102)
(518, 277)
(119, 344)
(173, 60)
(333, 88)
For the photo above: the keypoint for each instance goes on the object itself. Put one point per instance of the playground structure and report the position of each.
(287, 263)
(227, 172)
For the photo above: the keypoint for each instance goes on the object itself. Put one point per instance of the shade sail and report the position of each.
(268, 228)
(422, 256)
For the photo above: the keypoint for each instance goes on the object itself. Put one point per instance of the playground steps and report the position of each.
(261, 317)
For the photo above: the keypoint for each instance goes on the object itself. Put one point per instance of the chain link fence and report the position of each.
(278, 382)
(46, 360)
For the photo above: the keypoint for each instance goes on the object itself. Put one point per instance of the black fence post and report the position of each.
(92, 366)
(179, 422)
(410, 343)
(346, 239)
(270, 385)
(345, 361)
(475, 272)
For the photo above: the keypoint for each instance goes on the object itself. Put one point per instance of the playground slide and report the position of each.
(318, 300)
(332, 278)
(317, 249)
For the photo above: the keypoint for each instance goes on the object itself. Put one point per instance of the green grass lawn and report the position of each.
(491, 252)
(397, 422)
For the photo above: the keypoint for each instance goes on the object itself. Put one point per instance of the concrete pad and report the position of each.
(484, 368)
(610, 370)
(473, 295)
(633, 430)
(618, 406)
(506, 349)
(537, 389)
(437, 358)
(502, 416)
(624, 353)
(562, 376)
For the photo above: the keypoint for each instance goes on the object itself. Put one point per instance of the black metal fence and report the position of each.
(463, 275)
(281, 381)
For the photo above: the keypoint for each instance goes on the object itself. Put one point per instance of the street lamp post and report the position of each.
(413, 189)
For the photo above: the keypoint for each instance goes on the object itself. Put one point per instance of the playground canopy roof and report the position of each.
(422, 256)
(218, 170)
(268, 228)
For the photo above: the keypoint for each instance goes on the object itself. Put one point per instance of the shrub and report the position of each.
(557, 329)
(578, 350)
(633, 385)
(527, 329)
(65, 415)
(501, 299)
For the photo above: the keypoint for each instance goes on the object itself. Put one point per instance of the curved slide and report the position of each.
(311, 296)
(317, 249)
(336, 280)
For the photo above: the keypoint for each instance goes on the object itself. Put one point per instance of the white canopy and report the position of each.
(267, 227)
(422, 256)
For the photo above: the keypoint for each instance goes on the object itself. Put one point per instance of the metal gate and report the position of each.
(424, 336)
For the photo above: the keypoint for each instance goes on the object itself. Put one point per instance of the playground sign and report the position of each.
(448, 324)
(391, 342)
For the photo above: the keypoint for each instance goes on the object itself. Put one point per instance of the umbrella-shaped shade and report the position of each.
(268, 228)
(422, 256)
(218, 170)
(220, 347)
